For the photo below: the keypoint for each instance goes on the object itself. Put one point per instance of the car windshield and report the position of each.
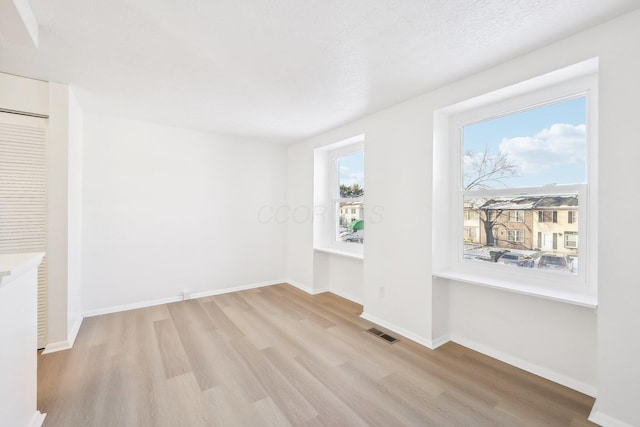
(510, 256)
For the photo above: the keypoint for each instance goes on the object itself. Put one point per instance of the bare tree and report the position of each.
(489, 220)
(483, 170)
(486, 169)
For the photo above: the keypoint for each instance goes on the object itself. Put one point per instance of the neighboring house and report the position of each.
(533, 223)
(350, 212)
(472, 224)
(555, 225)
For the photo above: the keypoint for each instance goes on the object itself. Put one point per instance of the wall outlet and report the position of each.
(186, 295)
(381, 291)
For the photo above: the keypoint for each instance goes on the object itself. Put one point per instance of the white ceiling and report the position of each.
(280, 70)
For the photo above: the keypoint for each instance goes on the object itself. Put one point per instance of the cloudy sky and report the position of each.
(352, 169)
(547, 145)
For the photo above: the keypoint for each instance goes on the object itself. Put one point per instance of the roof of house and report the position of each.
(520, 203)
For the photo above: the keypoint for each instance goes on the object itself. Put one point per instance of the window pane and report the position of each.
(351, 175)
(537, 147)
(536, 234)
(351, 222)
(571, 239)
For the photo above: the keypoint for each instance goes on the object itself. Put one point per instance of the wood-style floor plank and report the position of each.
(174, 359)
(276, 356)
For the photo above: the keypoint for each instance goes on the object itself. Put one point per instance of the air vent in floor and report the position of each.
(388, 338)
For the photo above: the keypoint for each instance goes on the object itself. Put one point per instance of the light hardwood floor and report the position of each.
(276, 356)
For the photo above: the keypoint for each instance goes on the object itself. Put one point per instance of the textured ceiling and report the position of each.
(280, 70)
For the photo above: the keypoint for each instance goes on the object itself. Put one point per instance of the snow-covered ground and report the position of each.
(483, 253)
(477, 252)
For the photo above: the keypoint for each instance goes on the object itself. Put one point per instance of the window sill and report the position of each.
(345, 254)
(560, 295)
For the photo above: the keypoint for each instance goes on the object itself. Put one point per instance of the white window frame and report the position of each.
(326, 218)
(542, 212)
(448, 260)
(335, 156)
(571, 233)
(516, 213)
(515, 233)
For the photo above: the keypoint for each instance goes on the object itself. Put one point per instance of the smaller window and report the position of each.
(339, 195)
(516, 236)
(516, 216)
(572, 217)
(349, 197)
(571, 240)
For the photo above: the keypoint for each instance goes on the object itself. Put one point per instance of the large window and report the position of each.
(528, 163)
(524, 160)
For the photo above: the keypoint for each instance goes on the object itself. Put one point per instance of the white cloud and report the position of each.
(561, 144)
(348, 178)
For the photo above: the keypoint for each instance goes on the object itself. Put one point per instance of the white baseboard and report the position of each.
(37, 419)
(556, 377)
(151, 303)
(133, 306)
(73, 332)
(306, 289)
(405, 333)
(596, 416)
(346, 296)
(52, 347)
(440, 341)
(507, 358)
(321, 291)
(236, 289)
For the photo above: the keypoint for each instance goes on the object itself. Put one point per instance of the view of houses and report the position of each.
(530, 225)
(351, 227)
(350, 212)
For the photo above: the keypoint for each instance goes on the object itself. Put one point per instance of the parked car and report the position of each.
(353, 236)
(521, 260)
(495, 255)
(554, 262)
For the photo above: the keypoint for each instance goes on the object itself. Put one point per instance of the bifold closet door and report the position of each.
(23, 196)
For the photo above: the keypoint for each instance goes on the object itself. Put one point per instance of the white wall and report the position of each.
(64, 196)
(57, 214)
(552, 339)
(563, 342)
(619, 296)
(338, 274)
(74, 200)
(298, 217)
(168, 209)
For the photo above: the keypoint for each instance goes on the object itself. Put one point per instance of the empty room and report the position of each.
(336, 213)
